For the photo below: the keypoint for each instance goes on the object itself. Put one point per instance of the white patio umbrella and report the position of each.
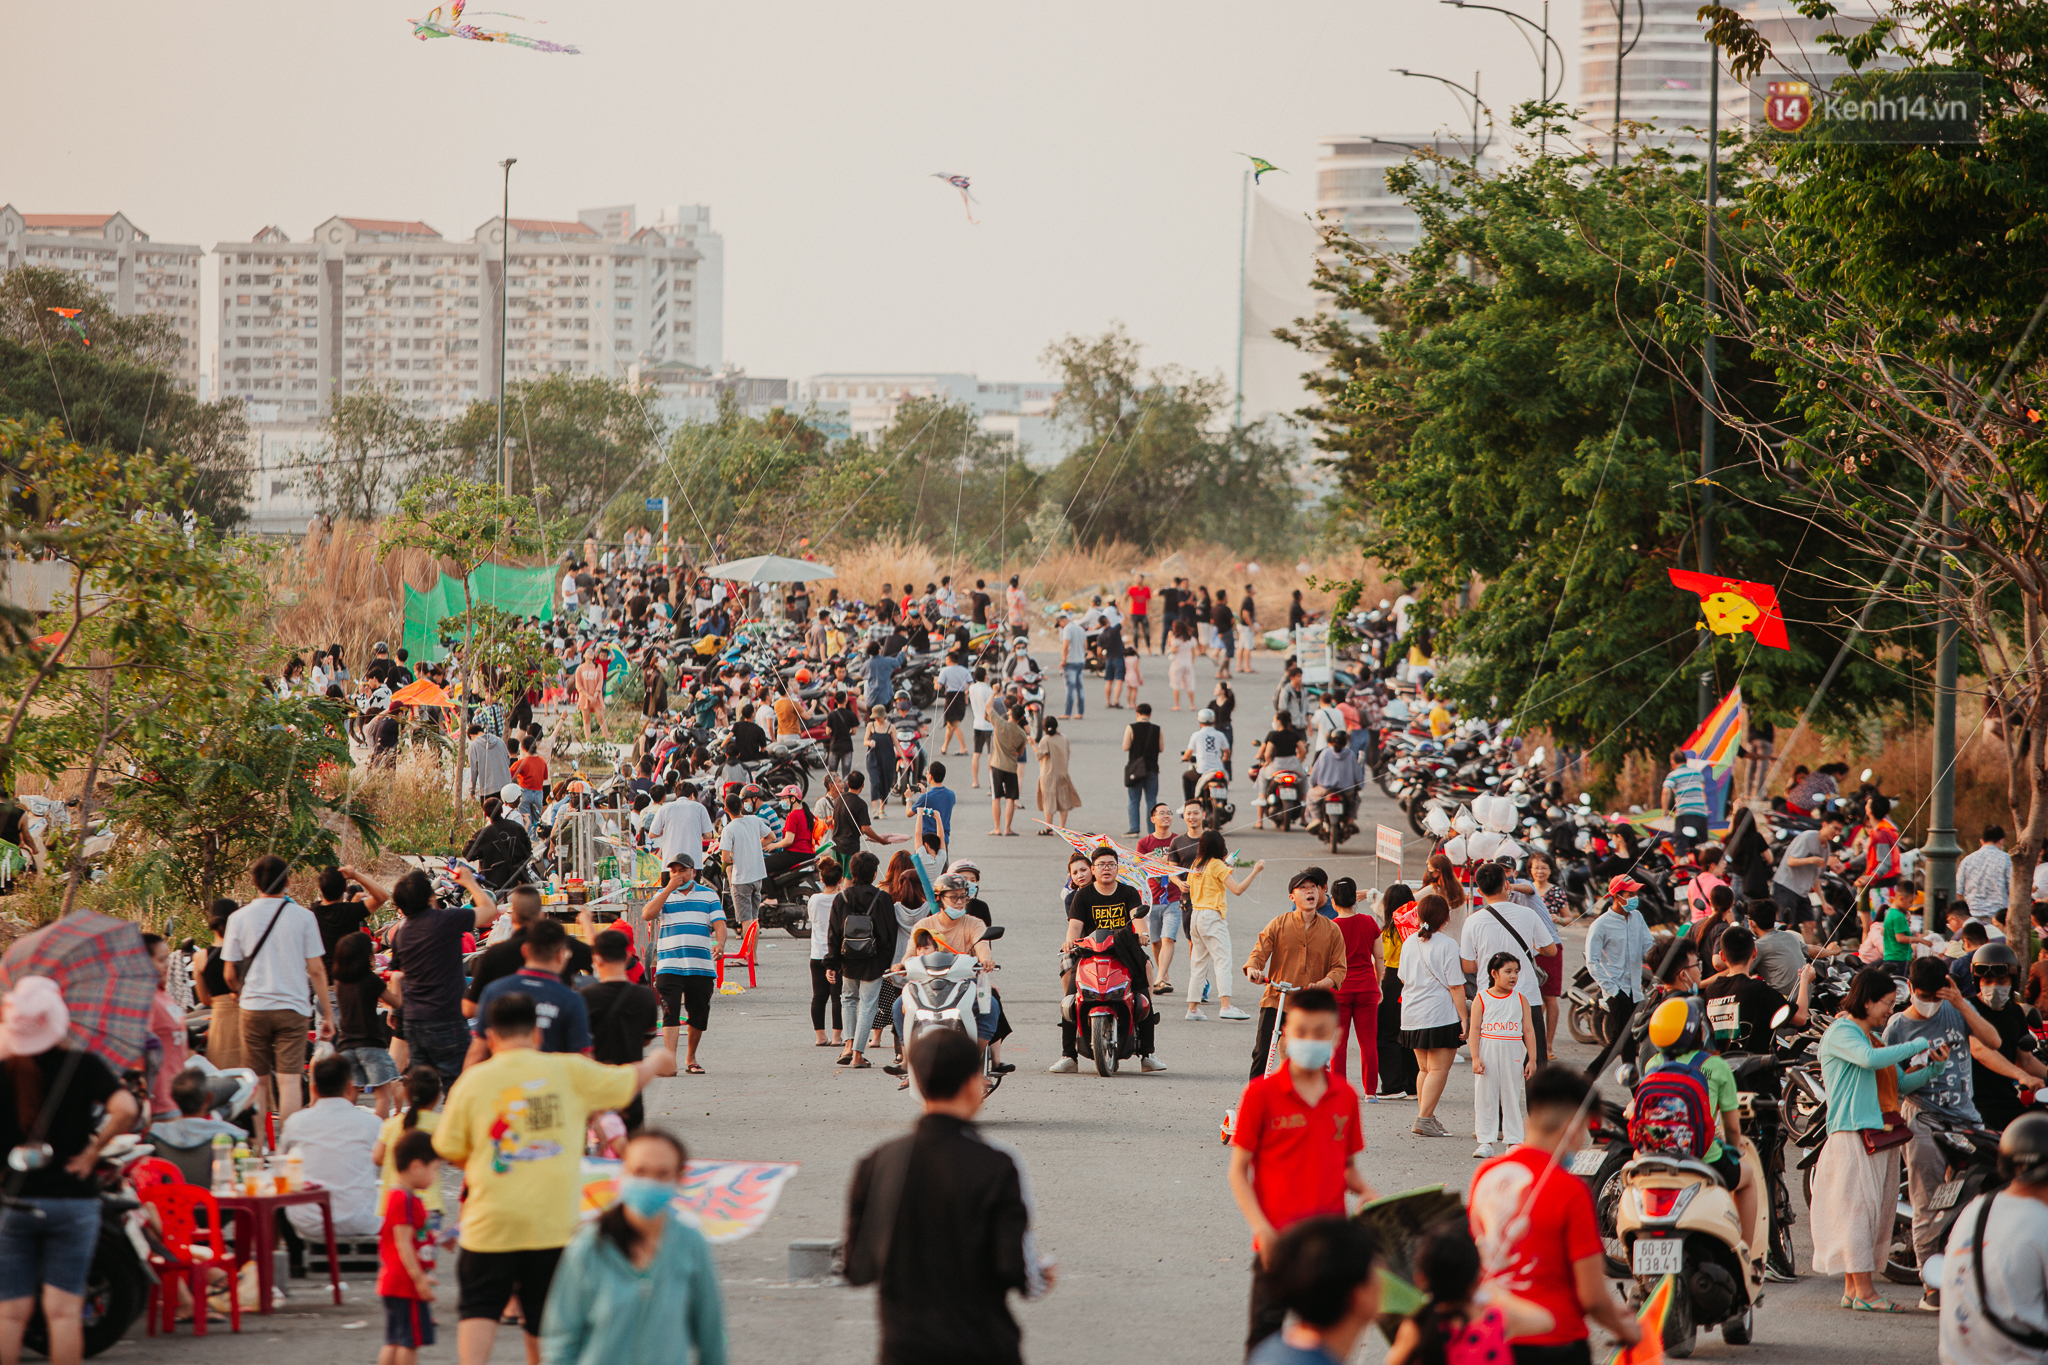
(770, 569)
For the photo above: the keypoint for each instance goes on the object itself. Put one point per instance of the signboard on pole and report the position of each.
(1389, 847)
(1312, 654)
(657, 504)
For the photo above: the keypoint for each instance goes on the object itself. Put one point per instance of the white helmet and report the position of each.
(1206, 716)
(509, 794)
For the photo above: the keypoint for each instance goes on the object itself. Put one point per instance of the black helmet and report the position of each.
(2023, 1149)
(1995, 957)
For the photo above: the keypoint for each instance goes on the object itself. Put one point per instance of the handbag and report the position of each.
(1895, 1133)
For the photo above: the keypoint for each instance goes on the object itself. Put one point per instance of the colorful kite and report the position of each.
(725, 1200)
(960, 183)
(1733, 606)
(1135, 870)
(1259, 166)
(434, 27)
(70, 316)
(1650, 1350)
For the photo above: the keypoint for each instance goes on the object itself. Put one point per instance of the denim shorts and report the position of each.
(1166, 920)
(372, 1066)
(50, 1243)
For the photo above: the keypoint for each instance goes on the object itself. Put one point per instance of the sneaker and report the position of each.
(1151, 1064)
(1483, 1151)
(1065, 1066)
(1427, 1126)
(1930, 1301)
(1196, 1017)
(1372, 1099)
(1233, 1013)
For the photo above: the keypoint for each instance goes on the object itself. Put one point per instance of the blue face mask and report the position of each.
(953, 912)
(974, 888)
(1633, 903)
(645, 1197)
(1310, 1054)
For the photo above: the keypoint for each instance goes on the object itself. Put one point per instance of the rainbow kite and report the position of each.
(960, 183)
(434, 27)
(1720, 734)
(1650, 1350)
(1259, 166)
(1133, 869)
(70, 316)
(724, 1200)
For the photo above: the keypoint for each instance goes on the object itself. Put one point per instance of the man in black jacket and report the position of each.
(967, 1228)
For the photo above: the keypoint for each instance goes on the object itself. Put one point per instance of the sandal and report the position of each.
(1877, 1305)
(693, 1070)
(845, 1058)
(862, 1065)
(822, 1043)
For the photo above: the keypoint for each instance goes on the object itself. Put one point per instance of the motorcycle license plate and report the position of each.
(1946, 1194)
(1333, 806)
(1659, 1255)
(1587, 1161)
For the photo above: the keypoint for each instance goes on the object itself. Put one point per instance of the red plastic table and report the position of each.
(256, 1234)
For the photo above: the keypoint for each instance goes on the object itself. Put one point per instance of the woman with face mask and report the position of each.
(637, 1284)
(955, 931)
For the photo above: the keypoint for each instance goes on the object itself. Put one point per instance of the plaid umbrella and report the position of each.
(107, 979)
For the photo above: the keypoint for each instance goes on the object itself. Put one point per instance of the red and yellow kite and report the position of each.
(1650, 1350)
(1733, 606)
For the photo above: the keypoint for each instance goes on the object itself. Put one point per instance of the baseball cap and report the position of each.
(1622, 885)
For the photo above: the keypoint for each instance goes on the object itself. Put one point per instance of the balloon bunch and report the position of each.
(1483, 830)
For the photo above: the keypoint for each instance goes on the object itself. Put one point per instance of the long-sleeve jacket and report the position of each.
(1615, 948)
(604, 1310)
(1849, 1065)
(1302, 949)
(956, 1242)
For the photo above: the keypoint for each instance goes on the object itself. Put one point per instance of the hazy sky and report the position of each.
(1100, 137)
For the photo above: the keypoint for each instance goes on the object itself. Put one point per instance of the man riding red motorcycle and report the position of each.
(1105, 908)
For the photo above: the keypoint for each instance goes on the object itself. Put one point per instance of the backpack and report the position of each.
(857, 934)
(1672, 1112)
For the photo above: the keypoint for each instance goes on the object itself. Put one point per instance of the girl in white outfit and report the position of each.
(1501, 1061)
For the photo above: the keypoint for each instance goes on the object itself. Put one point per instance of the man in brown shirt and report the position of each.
(1298, 947)
(1011, 742)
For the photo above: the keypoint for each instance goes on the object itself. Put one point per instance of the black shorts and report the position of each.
(1004, 783)
(984, 740)
(956, 707)
(681, 995)
(1728, 1166)
(1794, 909)
(489, 1279)
(408, 1323)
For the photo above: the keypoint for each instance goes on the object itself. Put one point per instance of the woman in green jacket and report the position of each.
(637, 1285)
(1856, 1191)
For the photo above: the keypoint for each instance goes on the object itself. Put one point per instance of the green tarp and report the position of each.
(523, 592)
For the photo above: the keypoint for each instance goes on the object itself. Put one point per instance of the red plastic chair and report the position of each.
(190, 1251)
(153, 1171)
(745, 955)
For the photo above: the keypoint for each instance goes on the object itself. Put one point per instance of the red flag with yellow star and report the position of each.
(1733, 606)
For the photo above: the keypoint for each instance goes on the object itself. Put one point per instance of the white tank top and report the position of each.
(1500, 1017)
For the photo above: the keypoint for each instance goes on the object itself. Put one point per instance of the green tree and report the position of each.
(373, 441)
(509, 655)
(577, 441)
(121, 392)
(932, 475)
(469, 524)
(1899, 297)
(757, 480)
(1157, 461)
(1516, 421)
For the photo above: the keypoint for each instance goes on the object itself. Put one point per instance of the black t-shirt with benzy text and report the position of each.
(1755, 1004)
(623, 1016)
(1105, 910)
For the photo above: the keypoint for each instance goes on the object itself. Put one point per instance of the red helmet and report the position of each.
(803, 675)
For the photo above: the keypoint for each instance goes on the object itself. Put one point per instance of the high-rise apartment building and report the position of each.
(134, 274)
(1351, 183)
(1666, 76)
(367, 300)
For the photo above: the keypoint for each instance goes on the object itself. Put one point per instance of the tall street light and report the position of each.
(1620, 8)
(1542, 53)
(1472, 90)
(504, 295)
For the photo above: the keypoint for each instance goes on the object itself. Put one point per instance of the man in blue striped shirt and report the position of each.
(689, 928)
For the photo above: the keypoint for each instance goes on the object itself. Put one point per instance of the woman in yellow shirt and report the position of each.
(1205, 885)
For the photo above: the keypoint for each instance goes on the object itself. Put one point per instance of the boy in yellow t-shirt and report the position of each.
(515, 1123)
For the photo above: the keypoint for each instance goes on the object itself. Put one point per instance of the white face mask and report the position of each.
(1925, 1008)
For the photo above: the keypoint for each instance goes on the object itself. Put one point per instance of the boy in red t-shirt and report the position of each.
(1293, 1145)
(405, 1252)
(1534, 1220)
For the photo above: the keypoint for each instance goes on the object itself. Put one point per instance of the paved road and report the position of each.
(1128, 1172)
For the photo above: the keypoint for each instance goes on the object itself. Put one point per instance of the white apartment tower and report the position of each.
(369, 300)
(134, 274)
(1351, 183)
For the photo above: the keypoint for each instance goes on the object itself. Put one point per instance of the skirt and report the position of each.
(224, 1032)
(1855, 1197)
(1431, 1039)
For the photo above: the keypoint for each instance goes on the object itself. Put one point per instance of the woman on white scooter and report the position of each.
(951, 930)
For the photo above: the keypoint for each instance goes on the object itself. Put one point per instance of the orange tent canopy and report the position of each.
(425, 692)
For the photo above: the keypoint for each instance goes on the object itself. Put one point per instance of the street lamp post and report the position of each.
(504, 295)
(1620, 8)
(1710, 394)
(1942, 850)
(1549, 92)
(1477, 105)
